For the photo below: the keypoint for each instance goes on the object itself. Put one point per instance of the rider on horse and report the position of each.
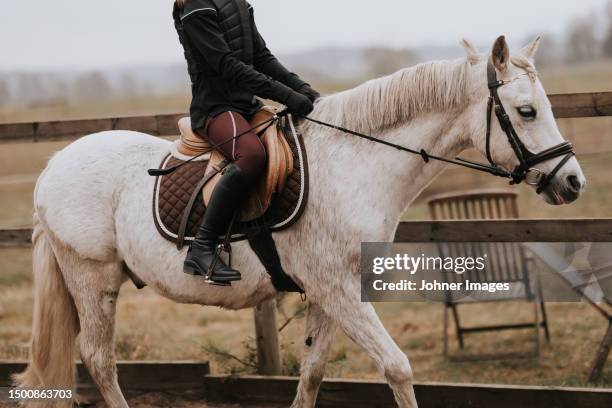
(229, 64)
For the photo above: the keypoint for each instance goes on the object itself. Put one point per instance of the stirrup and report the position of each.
(208, 277)
(215, 283)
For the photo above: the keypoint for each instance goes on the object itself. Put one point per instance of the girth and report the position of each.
(525, 170)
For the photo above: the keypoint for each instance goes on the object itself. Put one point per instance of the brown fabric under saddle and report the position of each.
(278, 201)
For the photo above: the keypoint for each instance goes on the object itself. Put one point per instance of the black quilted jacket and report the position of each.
(228, 60)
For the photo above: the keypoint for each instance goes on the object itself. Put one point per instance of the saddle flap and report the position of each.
(288, 155)
(261, 197)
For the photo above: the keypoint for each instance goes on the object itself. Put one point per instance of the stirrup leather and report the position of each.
(209, 273)
(225, 246)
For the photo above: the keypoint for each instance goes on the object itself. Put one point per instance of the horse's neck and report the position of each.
(369, 185)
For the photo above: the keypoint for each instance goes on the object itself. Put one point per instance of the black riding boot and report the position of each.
(226, 200)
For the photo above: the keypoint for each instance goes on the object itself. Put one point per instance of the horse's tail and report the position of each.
(55, 322)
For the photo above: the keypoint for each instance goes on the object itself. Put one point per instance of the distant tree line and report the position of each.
(32, 88)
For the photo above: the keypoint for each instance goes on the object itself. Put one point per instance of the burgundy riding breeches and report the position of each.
(247, 151)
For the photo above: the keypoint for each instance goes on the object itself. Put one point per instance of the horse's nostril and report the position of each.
(574, 183)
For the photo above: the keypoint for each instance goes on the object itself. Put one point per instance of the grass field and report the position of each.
(150, 327)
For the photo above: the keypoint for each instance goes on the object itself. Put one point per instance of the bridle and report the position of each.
(525, 171)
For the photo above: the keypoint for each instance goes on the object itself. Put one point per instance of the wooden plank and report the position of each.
(266, 334)
(187, 376)
(519, 230)
(574, 105)
(15, 238)
(134, 375)
(355, 393)
(581, 105)
(157, 125)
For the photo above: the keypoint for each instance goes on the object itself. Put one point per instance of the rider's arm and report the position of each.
(267, 63)
(203, 30)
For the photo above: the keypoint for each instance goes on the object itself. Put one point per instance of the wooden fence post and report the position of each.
(268, 350)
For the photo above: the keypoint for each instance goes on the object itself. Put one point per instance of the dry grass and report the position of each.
(151, 327)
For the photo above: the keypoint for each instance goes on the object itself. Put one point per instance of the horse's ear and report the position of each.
(472, 53)
(501, 54)
(531, 49)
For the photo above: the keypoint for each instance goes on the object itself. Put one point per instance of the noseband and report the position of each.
(526, 170)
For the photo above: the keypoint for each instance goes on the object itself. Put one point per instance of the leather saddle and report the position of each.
(277, 201)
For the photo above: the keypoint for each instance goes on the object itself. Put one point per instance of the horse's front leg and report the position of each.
(362, 325)
(320, 331)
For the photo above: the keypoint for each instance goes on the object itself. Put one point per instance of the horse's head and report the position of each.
(529, 111)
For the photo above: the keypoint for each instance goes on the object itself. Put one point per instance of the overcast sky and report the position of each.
(63, 34)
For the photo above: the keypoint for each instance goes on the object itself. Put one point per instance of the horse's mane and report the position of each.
(383, 102)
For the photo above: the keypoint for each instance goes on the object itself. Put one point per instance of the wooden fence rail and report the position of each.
(193, 381)
(574, 105)
(15, 237)
(520, 230)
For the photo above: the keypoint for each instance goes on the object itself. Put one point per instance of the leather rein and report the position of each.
(524, 171)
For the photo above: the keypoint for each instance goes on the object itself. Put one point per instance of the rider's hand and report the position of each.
(299, 104)
(309, 92)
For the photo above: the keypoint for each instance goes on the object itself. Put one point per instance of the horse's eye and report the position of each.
(527, 111)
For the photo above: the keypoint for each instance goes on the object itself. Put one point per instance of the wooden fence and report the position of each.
(192, 380)
(574, 105)
(544, 230)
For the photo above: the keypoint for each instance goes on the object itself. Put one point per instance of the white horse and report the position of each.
(93, 215)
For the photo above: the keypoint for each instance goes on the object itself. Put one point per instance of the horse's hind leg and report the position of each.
(95, 287)
(320, 332)
(362, 325)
